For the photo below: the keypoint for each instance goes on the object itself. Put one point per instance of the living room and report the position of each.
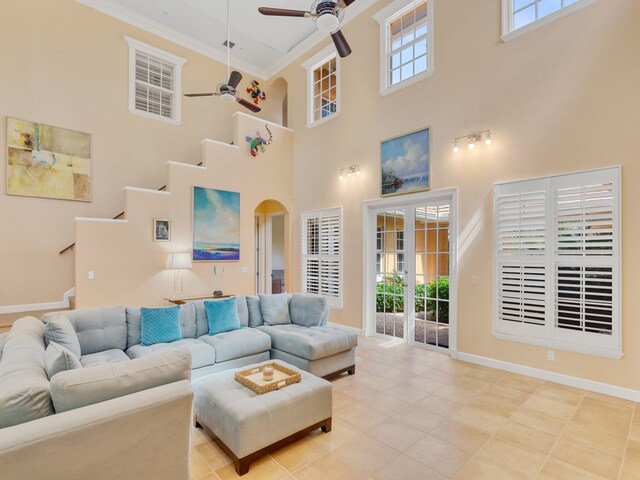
(502, 332)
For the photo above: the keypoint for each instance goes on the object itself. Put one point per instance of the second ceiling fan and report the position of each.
(327, 15)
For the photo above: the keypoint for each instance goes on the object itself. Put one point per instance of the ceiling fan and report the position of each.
(327, 15)
(227, 91)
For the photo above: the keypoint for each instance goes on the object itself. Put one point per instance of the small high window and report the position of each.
(406, 31)
(154, 82)
(324, 89)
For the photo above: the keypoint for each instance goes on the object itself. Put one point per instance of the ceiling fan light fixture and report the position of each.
(327, 23)
(228, 97)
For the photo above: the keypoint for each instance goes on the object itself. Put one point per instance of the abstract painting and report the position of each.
(216, 225)
(49, 162)
(405, 163)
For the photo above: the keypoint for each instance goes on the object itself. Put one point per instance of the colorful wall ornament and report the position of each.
(258, 142)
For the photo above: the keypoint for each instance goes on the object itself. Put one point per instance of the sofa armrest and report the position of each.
(141, 435)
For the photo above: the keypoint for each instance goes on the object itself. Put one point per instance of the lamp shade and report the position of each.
(179, 260)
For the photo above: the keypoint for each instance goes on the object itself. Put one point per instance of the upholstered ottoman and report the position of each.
(247, 425)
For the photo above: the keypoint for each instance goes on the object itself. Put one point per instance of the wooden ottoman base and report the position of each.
(242, 464)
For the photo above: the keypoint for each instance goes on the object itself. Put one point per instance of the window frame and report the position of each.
(551, 259)
(315, 62)
(136, 46)
(508, 31)
(333, 301)
(384, 18)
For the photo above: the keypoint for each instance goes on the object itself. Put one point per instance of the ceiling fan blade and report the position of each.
(283, 12)
(251, 106)
(198, 94)
(234, 79)
(341, 44)
(345, 3)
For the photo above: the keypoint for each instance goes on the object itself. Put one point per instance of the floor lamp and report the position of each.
(178, 261)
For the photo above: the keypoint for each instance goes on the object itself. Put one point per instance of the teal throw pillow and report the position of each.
(159, 325)
(222, 315)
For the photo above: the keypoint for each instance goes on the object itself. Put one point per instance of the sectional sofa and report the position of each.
(126, 392)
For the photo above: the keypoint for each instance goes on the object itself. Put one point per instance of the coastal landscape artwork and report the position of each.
(405, 163)
(49, 162)
(216, 225)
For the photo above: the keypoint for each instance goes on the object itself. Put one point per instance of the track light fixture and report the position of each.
(349, 172)
(473, 139)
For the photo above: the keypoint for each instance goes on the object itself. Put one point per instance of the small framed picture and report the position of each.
(405, 163)
(161, 230)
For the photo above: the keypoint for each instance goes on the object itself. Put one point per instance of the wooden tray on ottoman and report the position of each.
(282, 376)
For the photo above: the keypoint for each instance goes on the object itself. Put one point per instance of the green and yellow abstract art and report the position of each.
(49, 162)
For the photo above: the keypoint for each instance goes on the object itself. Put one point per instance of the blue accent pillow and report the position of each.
(222, 315)
(275, 309)
(159, 325)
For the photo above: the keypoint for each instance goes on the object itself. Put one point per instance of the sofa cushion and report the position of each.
(24, 385)
(311, 343)
(98, 329)
(202, 324)
(237, 343)
(308, 310)
(3, 338)
(254, 311)
(86, 386)
(100, 358)
(201, 353)
(160, 325)
(187, 323)
(58, 358)
(275, 309)
(222, 315)
(60, 331)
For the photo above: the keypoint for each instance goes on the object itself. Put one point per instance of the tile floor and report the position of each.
(413, 414)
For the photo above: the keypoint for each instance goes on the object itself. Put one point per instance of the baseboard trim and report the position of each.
(359, 331)
(569, 380)
(33, 307)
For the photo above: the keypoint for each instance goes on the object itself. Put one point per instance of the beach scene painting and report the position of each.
(49, 162)
(405, 163)
(216, 225)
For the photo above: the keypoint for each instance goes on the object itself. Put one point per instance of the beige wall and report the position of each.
(66, 65)
(129, 267)
(560, 99)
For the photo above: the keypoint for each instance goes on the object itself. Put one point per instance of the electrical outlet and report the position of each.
(475, 280)
(244, 269)
(90, 275)
(551, 355)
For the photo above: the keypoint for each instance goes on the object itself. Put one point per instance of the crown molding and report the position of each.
(186, 41)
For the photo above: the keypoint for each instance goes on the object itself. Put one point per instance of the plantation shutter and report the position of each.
(154, 85)
(322, 254)
(521, 267)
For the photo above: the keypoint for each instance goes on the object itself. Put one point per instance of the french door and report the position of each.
(411, 275)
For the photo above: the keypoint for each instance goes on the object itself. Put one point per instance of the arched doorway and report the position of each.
(272, 247)
(278, 100)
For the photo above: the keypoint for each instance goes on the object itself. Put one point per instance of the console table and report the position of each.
(181, 299)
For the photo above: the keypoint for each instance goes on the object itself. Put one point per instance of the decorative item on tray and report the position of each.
(256, 378)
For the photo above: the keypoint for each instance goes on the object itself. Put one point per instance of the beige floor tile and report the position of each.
(361, 417)
(443, 457)
(539, 420)
(358, 391)
(630, 470)
(212, 454)
(299, 454)
(198, 436)
(422, 383)
(405, 468)
(266, 468)
(407, 393)
(610, 399)
(368, 455)
(199, 467)
(341, 432)
(375, 382)
(633, 449)
(611, 418)
(208, 476)
(397, 374)
(440, 405)
(636, 414)
(477, 469)
(527, 437)
(419, 418)
(488, 422)
(462, 436)
(487, 374)
(396, 434)
(561, 393)
(587, 458)
(556, 470)
(520, 382)
(550, 407)
(500, 400)
(329, 466)
(595, 438)
(634, 431)
(511, 457)
(457, 394)
(387, 404)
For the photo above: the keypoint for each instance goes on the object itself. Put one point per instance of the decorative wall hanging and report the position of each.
(161, 230)
(49, 162)
(258, 143)
(216, 225)
(255, 92)
(405, 163)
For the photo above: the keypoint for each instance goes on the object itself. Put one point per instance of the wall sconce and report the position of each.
(473, 139)
(349, 172)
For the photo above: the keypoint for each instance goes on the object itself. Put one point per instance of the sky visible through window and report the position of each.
(528, 11)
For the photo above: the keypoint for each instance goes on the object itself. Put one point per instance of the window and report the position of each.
(521, 16)
(322, 254)
(323, 73)
(406, 43)
(154, 82)
(400, 252)
(557, 261)
(379, 250)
